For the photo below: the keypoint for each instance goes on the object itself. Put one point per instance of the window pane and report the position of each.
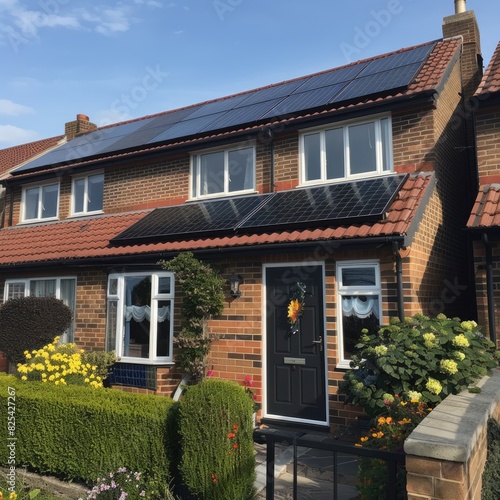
(111, 325)
(358, 312)
(334, 143)
(43, 288)
(386, 150)
(312, 157)
(241, 169)
(49, 201)
(95, 192)
(362, 148)
(68, 296)
(164, 284)
(163, 328)
(31, 203)
(137, 316)
(113, 286)
(79, 195)
(15, 290)
(212, 173)
(358, 276)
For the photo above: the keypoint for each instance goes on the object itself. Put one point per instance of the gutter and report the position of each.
(489, 288)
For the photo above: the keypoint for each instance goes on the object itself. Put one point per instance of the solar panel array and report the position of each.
(306, 207)
(362, 79)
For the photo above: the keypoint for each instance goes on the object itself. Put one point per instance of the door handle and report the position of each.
(319, 342)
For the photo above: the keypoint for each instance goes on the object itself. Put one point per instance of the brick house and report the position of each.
(348, 185)
(484, 220)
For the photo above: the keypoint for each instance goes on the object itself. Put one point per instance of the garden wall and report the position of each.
(446, 453)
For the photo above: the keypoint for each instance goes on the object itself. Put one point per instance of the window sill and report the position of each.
(343, 365)
(359, 177)
(217, 196)
(85, 214)
(144, 361)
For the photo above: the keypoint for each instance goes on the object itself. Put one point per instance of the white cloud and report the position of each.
(11, 108)
(107, 21)
(149, 3)
(11, 135)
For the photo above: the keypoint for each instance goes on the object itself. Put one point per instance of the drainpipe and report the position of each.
(489, 289)
(399, 280)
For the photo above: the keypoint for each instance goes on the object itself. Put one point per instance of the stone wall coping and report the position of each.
(452, 429)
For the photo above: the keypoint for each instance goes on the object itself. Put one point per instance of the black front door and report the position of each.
(295, 358)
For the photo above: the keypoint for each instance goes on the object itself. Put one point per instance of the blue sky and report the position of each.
(118, 60)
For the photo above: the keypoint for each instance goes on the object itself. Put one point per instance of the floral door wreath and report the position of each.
(296, 307)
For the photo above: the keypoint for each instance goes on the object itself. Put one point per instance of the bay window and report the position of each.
(359, 304)
(139, 316)
(350, 150)
(63, 289)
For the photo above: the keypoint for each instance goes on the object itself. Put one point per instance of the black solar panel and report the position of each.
(192, 219)
(379, 82)
(319, 206)
(350, 82)
(305, 100)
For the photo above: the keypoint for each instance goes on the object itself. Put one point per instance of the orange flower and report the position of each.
(235, 446)
(231, 435)
(293, 310)
(235, 426)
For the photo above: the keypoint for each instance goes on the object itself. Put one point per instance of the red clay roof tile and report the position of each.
(75, 239)
(486, 210)
(491, 78)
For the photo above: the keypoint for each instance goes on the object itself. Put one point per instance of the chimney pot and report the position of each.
(460, 6)
(83, 117)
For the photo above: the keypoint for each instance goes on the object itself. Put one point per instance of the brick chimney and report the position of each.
(80, 126)
(463, 23)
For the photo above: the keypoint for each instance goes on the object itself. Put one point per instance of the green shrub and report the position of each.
(103, 360)
(76, 432)
(216, 431)
(491, 475)
(31, 322)
(421, 358)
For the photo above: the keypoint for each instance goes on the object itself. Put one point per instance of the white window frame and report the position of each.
(119, 298)
(342, 290)
(68, 336)
(39, 208)
(85, 210)
(381, 150)
(195, 172)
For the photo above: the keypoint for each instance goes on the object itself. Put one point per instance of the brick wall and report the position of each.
(488, 144)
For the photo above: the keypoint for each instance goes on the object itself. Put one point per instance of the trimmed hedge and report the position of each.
(29, 323)
(216, 429)
(80, 433)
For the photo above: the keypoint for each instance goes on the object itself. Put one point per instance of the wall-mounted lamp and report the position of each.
(235, 281)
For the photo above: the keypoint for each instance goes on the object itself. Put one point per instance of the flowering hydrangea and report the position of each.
(429, 340)
(434, 386)
(460, 341)
(448, 366)
(414, 396)
(380, 350)
(468, 325)
(459, 355)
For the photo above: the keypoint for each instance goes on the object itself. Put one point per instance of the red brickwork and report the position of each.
(488, 144)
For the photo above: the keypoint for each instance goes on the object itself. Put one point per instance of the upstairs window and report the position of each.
(359, 304)
(40, 202)
(87, 194)
(352, 150)
(230, 171)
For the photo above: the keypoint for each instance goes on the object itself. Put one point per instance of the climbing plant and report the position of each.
(202, 299)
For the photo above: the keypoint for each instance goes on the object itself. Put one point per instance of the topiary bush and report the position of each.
(421, 358)
(29, 323)
(216, 432)
(79, 433)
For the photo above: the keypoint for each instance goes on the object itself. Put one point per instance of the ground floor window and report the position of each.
(359, 304)
(61, 288)
(139, 316)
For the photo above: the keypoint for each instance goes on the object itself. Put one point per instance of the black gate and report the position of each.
(273, 436)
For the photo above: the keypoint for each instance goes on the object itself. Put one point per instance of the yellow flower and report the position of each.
(24, 377)
(363, 439)
(448, 366)
(434, 386)
(293, 310)
(27, 355)
(13, 496)
(460, 341)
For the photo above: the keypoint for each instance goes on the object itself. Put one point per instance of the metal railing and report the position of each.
(296, 439)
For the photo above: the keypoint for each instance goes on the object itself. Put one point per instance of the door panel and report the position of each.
(295, 361)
